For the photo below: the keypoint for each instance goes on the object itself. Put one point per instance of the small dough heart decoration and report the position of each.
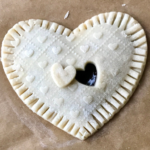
(113, 46)
(87, 99)
(56, 50)
(44, 89)
(30, 78)
(42, 59)
(62, 77)
(58, 101)
(42, 64)
(84, 48)
(29, 53)
(42, 39)
(74, 114)
(98, 35)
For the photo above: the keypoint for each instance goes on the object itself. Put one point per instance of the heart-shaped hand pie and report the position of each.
(114, 42)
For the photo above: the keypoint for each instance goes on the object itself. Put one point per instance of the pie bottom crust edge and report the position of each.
(110, 107)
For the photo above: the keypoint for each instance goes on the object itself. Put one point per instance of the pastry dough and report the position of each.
(114, 42)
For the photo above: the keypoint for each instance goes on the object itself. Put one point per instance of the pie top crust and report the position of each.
(114, 42)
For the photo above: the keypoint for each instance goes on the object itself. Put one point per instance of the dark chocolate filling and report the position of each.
(87, 77)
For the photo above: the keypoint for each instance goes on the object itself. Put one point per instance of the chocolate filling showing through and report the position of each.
(88, 76)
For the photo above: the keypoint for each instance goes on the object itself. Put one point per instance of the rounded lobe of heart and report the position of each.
(62, 77)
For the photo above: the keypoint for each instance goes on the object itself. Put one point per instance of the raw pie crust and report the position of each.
(114, 42)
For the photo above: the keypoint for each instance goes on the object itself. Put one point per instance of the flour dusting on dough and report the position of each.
(123, 5)
(66, 15)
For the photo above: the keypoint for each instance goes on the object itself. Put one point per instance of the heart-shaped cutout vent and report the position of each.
(88, 76)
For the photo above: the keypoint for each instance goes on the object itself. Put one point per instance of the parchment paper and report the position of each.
(21, 129)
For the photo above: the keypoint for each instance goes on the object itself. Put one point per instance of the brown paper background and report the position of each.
(21, 129)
